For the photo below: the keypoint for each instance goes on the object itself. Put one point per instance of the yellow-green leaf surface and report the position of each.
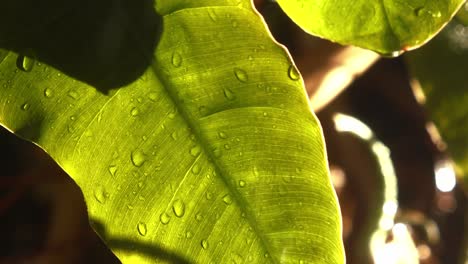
(442, 70)
(211, 156)
(386, 26)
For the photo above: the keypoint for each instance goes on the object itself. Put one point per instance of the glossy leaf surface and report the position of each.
(441, 69)
(386, 26)
(211, 156)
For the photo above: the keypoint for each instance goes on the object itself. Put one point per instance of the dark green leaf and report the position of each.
(441, 68)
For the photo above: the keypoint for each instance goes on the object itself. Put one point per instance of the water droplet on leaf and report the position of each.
(222, 135)
(112, 170)
(195, 151)
(229, 94)
(101, 195)
(241, 75)
(212, 15)
(204, 244)
(48, 93)
(73, 94)
(227, 199)
(199, 217)
(142, 230)
(196, 169)
(135, 111)
(153, 97)
(174, 135)
(25, 63)
(165, 218)
(138, 158)
(25, 106)
(293, 73)
(419, 11)
(241, 183)
(178, 207)
(176, 59)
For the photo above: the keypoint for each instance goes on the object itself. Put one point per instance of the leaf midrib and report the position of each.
(203, 143)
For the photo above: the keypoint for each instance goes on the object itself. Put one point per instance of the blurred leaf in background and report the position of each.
(440, 70)
(385, 26)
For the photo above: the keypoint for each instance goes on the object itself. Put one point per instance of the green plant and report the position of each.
(188, 127)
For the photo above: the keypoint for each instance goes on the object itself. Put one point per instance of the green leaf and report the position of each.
(212, 156)
(441, 68)
(385, 26)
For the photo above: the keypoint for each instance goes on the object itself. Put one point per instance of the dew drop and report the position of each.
(293, 73)
(153, 97)
(138, 158)
(188, 234)
(48, 93)
(142, 229)
(227, 147)
(112, 169)
(222, 135)
(176, 59)
(241, 75)
(199, 217)
(172, 115)
(101, 195)
(73, 94)
(178, 207)
(25, 63)
(212, 15)
(209, 196)
(196, 169)
(195, 151)
(227, 199)
(25, 106)
(419, 11)
(229, 94)
(241, 183)
(135, 111)
(255, 171)
(204, 244)
(164, 218)
(174, 135)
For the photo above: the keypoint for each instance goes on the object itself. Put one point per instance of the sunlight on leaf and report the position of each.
(211, 156)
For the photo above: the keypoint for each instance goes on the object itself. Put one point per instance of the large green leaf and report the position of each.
(441, 68)
(385, 26)
(211, 156)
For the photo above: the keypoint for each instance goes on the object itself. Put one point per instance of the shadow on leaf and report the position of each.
(106, 44)
(129, 245)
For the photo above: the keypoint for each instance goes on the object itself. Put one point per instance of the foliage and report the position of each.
(187, 126)
(211, 155)
(386, 26)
